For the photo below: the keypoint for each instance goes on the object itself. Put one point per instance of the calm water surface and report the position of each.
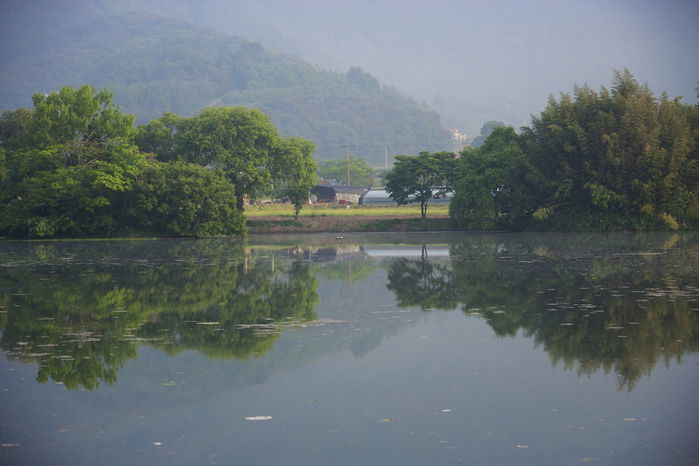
(377, 349)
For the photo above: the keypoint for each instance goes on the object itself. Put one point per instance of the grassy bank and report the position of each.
(324, 210)
(339, 219)
(278, 218)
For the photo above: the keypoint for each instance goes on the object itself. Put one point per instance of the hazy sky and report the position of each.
(477, 60)
(472, 60)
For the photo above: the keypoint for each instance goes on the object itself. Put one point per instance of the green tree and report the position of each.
(294, 170)
(360, 172)
(79, 117)
(486, 129)
(237, 140)
(608, 160)
(491, 190)
(181, 199)
(13, 126)
(621, 153)
(419, 178)
(64, 168)
(159, 137)
(240, 142)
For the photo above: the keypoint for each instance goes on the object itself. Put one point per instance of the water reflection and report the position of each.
(611, 303)
(615, 303)
(81, 309)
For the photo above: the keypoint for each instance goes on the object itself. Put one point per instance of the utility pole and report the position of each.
(347, 147)
(385, 153)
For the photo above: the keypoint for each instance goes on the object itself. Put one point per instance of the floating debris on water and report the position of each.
(258, 418)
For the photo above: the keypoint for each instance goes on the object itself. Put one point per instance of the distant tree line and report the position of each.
(615, 159)
(75, 165)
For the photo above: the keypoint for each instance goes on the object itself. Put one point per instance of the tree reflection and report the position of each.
(589, 310)
(81, 309)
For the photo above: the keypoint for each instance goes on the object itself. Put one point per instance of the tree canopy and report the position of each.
(239, 141)
(419, 178)
(486, 129)
(70, 167)
(614, 159)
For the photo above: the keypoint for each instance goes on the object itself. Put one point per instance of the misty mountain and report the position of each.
(155, 65)
(471, 60)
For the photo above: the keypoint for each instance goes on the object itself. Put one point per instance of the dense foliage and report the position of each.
(70, 167)
(242, 143)
(157, 65)
(486, 130)
(607, 160)
(419, 178)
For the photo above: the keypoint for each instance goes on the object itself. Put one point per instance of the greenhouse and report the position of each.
(381, 197)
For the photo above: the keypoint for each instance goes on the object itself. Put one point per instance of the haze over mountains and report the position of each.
(472, 61)
(154, 65)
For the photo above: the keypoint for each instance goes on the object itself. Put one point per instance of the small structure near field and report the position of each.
(381, 197)
(338, 193)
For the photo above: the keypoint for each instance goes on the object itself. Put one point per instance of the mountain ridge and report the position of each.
(155, 65)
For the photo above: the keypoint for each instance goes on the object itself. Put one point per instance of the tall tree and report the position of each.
(419, 178)
(619, 158)
(492, 189)
(294, 170)
(74, 153)
(239, 141)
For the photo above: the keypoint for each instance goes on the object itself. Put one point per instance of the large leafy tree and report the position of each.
(182, 199)
(239, 141)
(294, 170)
(620, 152)
(419, 178)
(70, 167)
(65, 162)
(619, 158)
(492, 190)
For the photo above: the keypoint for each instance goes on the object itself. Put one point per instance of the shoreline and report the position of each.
(341, 224)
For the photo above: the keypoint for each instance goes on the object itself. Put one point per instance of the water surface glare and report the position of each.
(425, 349)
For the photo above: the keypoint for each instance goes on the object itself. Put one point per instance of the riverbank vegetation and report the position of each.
(75, 165)
(616, 159)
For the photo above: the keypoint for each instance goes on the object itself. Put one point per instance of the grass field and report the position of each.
(287, 210)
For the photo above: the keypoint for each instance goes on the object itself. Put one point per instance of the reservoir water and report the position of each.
(424, 349)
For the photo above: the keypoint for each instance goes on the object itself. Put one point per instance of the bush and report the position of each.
(182, 199)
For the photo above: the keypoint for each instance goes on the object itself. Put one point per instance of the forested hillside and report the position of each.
(155, 65)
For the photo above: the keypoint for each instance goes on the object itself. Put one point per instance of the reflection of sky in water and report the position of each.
(408, 251)
(370, 381)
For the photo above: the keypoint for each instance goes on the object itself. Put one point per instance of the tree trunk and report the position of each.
(240, 203)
